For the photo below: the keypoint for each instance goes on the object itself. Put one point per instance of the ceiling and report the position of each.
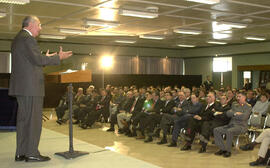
(55, 14)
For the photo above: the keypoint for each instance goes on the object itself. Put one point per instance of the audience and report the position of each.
(146, 112)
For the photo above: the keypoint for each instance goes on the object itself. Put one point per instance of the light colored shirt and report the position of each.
(28, 32)
(261, 107)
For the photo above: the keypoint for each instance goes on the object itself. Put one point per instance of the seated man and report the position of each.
(195, 123)
(194, 109)
(138, 120)
(238, 124)
(150, 122)
(169, 119)
(75, 106)
(264, 140)
(220, 119)
(124, 112)
(117, 102)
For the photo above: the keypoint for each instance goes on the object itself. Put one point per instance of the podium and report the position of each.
(70, 77)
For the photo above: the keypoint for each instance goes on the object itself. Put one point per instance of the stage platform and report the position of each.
(52, 142)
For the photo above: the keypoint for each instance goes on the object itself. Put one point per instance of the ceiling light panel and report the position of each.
(258, 38)
(48, 36)
(187, 31)
(216, 42)
(17, 2)
(101, 23)
(205, 1)
(141, 14)
(126, 41)
(154, 37)
(72, 31)
(185, 45)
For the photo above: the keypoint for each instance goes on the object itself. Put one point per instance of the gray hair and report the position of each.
(28, 19)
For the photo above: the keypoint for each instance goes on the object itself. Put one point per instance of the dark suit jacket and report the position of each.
(185, 106)
(27, 77)
(168, 107)
(158, 106)
(208, 114)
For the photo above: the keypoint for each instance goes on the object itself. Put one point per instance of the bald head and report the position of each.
(32, 24)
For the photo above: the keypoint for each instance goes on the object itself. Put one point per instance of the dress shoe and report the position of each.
(202, 150)
(149, 139)
(59, 122)
(186, 147)
(84, 126)
(19, 157)
(227, 154)
(110, 130)
(259, 162)
(247, 147)
(140, 137)
(220, 152)
(76, 122)
(173, 144)
(163, 141)
(39, 158)
(132, 135)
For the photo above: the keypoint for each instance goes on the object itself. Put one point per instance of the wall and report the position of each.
(199, 66)
(252, 59)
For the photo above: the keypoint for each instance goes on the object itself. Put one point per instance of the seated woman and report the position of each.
(264, 140)
(261, 106)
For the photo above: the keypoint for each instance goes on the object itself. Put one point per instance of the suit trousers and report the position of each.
(121, 117)
(166, 121)
(29, 125)
(207, 129)
(230, 131)
(153, 120)
(264, 139)
(178, 125)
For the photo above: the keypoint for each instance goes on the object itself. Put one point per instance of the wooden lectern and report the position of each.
(70, 77)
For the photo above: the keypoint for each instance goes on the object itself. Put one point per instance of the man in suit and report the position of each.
(168, 109)
(220, 119)
(27, 84)
(168, 119)
(195, 123)
(195, 108)
(238, 124)
(208, 83)
(151, 118)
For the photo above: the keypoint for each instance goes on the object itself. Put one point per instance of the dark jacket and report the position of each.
(168, 107)
(208, 114)
(158, 106)
(27, 77)
(185, 106)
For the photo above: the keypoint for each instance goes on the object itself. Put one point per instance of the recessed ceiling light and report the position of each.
(18, 2)
(258, 38)
(187, 31)
(185, 45)
(154, 37)
(49, 36)
(126, 41)
(205, 1)
(101, 23)
(216, 42)
(141, 14)
(233, 25)
(72, 31)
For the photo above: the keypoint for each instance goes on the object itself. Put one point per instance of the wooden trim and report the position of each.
(253, 67)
